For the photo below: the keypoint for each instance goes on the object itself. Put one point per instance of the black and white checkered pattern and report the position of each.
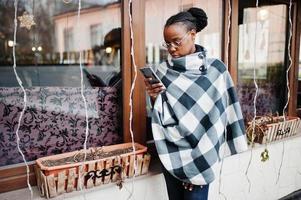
(191, 117)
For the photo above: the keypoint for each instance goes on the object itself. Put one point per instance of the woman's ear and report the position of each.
(193, 34)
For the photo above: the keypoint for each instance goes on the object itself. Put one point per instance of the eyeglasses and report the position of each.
(175, 44)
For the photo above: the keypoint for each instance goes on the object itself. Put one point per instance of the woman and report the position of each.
(194, 109)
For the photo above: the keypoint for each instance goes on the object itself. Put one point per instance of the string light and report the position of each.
(83, 97)
(24, 98)
(132, 91)
(26, 20)
(227, 100)
(287, 83)
(254, 102)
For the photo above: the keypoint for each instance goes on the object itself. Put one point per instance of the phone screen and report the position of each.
(149, 73)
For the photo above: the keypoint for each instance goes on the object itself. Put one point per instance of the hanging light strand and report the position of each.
(227, 99)
(289, 58)
(132, 91)
(83, 97)
(24, 98)
(254, 101)
(287, 83)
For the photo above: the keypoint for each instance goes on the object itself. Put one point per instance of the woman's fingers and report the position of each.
(146, 81)
(153, 89)
(188, 186)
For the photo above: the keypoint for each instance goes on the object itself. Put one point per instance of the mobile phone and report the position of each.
(148, 72)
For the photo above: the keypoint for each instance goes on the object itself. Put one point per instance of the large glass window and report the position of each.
(159, 11)
(48, 57)
(262, 45)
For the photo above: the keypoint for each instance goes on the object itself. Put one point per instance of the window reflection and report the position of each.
(262, 44)
(48, 57)
(55, 41)
(159, 11)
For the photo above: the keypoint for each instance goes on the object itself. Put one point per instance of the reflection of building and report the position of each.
(94, 24)
(268, 30)
(210, 37)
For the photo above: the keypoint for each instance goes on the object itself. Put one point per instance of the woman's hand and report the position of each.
(153, 89)
(188, 186)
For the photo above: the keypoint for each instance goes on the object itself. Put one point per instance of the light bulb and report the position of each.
(108, 50)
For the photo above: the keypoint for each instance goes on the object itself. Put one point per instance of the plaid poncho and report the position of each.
(191, 117)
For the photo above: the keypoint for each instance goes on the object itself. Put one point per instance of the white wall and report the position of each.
(262, 175)
(234, 183)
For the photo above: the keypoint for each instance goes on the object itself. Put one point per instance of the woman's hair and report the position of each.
(194, 18)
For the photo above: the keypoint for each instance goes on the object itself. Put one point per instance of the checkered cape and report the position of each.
(191, 118)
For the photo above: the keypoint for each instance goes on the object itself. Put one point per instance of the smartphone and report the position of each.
(148, 72)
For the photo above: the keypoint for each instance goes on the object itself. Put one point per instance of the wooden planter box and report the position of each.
(56, 180)
(277, 131)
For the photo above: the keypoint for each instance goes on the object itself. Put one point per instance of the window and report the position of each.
(160, 11)
(262, 44)
(47, 58)
(96, 35)
(68, 39)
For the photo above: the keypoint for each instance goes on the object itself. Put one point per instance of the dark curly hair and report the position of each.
(193, 18)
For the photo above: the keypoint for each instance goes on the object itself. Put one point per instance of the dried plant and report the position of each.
(257, 128)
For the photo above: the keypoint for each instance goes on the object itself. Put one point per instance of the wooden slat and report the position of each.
(51, 185)
(290, 128)
(100, 167)
(44, 185)
(273, 133)
(125, 166)
(71, 179)
(90, 182)
(61, 182)
(146, 162)
(117, 162)
(293, 128)
(108, 166)
(131, 167)
(80, 179)
(139, 163)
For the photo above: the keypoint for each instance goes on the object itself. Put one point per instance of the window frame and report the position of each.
(14, 177)
(295, 42)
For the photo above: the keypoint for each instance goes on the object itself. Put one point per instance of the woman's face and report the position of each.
(179, 41)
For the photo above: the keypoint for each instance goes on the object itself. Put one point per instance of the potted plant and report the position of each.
(269, 128)
(75, 170)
